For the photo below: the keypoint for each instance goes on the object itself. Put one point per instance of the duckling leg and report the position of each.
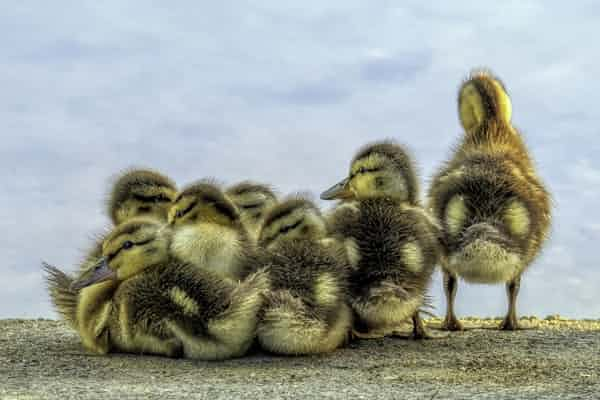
(510, 322)
(419, 330)
(451, 323)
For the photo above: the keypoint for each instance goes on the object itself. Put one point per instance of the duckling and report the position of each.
(306, 311)
(209, 231)
(494, 209)
(136, 192)
(140, 192)
(252, 200)
(140, 299)
(395, 241)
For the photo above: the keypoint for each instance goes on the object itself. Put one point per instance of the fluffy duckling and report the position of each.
(140, 192)
(395, 242)
(140, 299)
(135, 192)
(209, 231)
(306, 311)
(494, 209)
(252, 200)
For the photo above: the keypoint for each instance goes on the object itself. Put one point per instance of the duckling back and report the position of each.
(306, 310)
(494, 209)
(398, 250)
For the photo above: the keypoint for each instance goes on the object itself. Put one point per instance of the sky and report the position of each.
(285, 93)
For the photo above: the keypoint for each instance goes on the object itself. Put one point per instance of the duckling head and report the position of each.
(203, 202)
(140, 192)
(381, 169)
(208, 229)
(131, 248)
(252, 200)
(295, 218)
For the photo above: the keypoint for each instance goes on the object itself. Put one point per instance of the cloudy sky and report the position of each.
(284, 93)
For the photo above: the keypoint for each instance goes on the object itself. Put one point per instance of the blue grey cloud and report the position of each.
(396, 69)
(286, 95)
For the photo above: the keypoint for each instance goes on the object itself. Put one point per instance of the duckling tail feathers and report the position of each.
(238, 320)
(62, 296)
(289, 326)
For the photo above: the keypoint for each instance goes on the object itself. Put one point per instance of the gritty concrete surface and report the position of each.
(554, 359)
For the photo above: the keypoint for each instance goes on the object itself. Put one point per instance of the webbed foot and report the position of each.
(509, 323)
(451, 323)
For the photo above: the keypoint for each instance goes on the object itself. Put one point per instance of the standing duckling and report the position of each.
(395, 242)
(306, 311)
(135, 192)
(494, 209)
(252, 200)
(209, 231)
(140, 299)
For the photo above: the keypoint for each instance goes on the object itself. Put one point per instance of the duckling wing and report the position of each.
(229, 331)
(151, 305)
(63, 297)
(342, 217)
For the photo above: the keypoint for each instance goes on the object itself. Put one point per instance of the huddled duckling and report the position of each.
(306, 310)
(140, 299)
(135, 192)
(140, 192)
(252, 200)
(395, 242)
(209, 231)
(494, 209)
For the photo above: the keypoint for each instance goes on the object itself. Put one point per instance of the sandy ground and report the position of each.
(556, 358)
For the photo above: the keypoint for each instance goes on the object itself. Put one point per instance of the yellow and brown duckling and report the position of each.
(252, 200)
(209, 231)
(134, 193)
(141, 299)
(494, 209)
(140, 192)
(306, 310)
(395, 242)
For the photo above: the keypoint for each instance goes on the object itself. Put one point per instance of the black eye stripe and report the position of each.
(363, 170)
(113, 255)
(159, 198)
(225, 210)
(186, 210)
(288, 228)
(250, 206)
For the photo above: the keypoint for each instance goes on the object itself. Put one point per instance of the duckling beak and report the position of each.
(101, 272)
(338, 191)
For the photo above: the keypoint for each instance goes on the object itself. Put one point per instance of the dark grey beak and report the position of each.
(100, 273)
(337, 191)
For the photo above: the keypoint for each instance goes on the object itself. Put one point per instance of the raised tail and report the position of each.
(63, 297)
(387, 305)
(289, 326)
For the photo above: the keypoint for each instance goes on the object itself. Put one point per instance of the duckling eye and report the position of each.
(127, 245)
(362, 170)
